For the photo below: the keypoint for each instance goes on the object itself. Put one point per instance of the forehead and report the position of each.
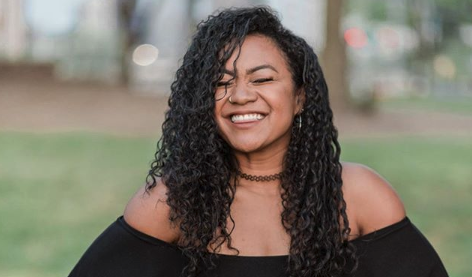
(257, 50)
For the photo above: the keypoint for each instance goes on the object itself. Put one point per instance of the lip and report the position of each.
(245, 112)
(244, 124)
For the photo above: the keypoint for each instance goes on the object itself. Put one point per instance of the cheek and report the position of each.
(217, 110)
(217, 116)
(283, 103)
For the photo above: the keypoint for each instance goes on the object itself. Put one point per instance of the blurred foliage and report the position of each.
(455, 10)
(450, 105)
(458, 53)
(441, 61)
(59, 191)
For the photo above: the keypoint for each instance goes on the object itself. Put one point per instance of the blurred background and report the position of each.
(84, 87)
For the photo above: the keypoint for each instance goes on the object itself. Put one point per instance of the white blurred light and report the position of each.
(444, 67)
(52, 17)
(145, 54)
(388, 37)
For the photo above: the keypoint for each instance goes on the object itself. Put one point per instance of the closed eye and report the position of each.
(263, 80)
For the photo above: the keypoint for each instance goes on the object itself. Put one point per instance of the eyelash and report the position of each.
(223, 84)
(258, 81)
(263, 80)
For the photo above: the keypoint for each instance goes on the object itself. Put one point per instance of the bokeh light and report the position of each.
(444, 67)
(355, 37)
(145, 54)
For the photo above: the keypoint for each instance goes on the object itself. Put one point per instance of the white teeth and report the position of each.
(246, 117)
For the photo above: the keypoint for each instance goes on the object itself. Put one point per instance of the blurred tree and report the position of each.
(422, 16)
(452, 13)
(125, 14)
(335, 58)
(377, 10)
(437, 22)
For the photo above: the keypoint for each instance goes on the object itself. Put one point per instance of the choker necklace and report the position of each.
(260, 178)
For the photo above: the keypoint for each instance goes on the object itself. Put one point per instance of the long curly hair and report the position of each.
(197, 165)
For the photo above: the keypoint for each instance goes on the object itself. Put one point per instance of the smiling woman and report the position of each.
(247, 180)
(260, 99)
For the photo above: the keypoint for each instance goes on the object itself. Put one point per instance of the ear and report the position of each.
(300, 100)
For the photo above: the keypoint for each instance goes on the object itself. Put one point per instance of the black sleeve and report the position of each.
(399, 250)
(120, 252)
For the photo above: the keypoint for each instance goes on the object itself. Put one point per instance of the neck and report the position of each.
(261, 163)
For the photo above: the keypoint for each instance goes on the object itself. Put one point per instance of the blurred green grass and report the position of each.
(433, 176)
(59, 191)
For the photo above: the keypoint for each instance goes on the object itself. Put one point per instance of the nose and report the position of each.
(242, 93)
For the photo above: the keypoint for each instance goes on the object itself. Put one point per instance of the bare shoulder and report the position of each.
(371, 201)
(149, 213)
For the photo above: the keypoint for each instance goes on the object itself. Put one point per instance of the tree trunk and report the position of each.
(335, 59)
(125, 12)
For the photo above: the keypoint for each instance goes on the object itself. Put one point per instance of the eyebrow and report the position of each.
(251, 70)
(264, 66)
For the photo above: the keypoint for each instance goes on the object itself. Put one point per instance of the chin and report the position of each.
(246, 147)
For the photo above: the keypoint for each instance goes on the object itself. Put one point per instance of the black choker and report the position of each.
(260, 178)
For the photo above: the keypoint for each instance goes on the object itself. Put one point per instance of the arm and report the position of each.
(138, 244)
(149, 213)
(371, 202)
(387, 243)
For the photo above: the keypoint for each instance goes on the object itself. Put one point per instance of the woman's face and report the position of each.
(257, 112)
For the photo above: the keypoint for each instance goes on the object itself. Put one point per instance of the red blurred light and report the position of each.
(355, 37)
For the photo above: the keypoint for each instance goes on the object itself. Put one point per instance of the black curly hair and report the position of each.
(197, 165)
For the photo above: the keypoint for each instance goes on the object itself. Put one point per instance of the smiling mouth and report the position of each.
(240, 118)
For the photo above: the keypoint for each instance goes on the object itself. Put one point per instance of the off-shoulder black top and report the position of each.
(398, 250)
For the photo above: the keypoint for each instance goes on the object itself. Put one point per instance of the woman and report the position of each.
(247, 179)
